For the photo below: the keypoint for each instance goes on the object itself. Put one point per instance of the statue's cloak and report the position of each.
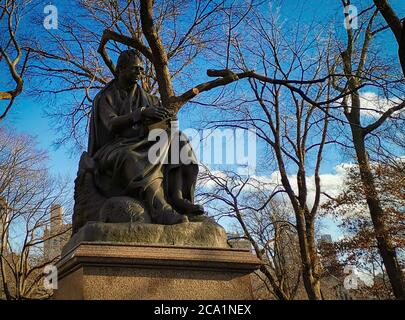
(111, 150)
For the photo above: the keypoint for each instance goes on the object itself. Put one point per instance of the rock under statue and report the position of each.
(116, 182)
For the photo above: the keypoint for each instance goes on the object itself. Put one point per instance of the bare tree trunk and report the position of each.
(305, 229)
(401, 50)
(4, 278)
(312, 251)
(398, 28)
(160, 60)
(279, 293)
(359, 133)
(308, 252)
(385, 246)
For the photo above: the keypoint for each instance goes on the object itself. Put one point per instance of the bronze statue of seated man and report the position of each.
(122, 115)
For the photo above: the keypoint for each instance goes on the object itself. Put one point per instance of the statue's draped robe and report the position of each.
(111, 150)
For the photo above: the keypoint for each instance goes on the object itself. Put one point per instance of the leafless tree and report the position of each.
(175, 33)
(13, 59)
(263, 221)
(357, 59)
(27, 194)
(171, 43)
(293, 127)
(350, 68)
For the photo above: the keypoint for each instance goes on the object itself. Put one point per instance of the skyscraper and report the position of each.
(56, 236)
(4, 216)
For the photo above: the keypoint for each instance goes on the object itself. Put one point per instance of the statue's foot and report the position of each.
(169, 216)
(184, 206)
(197, 210)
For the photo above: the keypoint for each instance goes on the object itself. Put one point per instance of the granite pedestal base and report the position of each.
(102, 270)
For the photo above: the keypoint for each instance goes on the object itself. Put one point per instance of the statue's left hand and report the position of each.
(159, 113)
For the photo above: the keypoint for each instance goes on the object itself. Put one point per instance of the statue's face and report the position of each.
(131, 71)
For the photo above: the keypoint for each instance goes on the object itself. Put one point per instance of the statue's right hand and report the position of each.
(156, 112)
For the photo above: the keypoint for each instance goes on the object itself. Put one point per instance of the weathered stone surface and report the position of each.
(88, 200)
(134, 271)
(204, 233)
(123, 209)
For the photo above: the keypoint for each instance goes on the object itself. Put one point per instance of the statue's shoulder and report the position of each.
(105, 92)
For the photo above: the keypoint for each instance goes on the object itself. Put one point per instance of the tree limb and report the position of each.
(131, 42)
(160, 60)
(389, 15)
(397, 27)
(384, 117)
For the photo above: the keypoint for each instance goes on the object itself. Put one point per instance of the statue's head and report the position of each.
(129, 66)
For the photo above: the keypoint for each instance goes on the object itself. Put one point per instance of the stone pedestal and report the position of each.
(103, 270)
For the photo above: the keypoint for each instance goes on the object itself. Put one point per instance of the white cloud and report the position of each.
(373, 105)
(331, 183)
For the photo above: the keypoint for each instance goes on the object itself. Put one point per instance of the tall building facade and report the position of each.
(56, 234)
(4, 216)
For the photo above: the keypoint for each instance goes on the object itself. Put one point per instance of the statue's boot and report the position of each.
(168, 216)
(197, 209)
(161, 212)
(186, 207)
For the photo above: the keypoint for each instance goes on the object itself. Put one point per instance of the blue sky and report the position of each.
(28, 114)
